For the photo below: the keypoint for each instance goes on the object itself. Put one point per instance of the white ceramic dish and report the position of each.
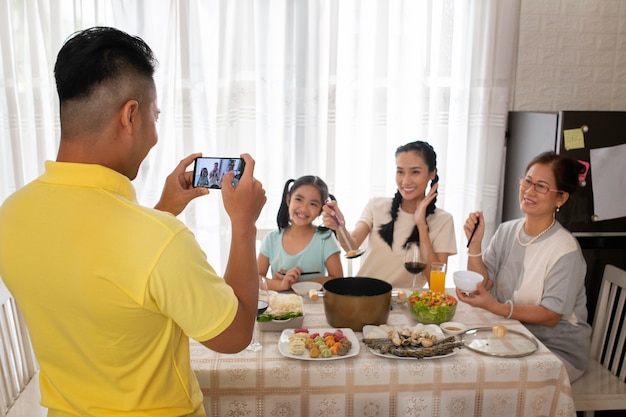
(453, 328)
(302, 287)
(466, 281)
(280, 325)
(283, 345)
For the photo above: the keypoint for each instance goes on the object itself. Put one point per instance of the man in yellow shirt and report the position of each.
(111, 290)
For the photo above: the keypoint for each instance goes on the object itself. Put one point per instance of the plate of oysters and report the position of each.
(421, 341)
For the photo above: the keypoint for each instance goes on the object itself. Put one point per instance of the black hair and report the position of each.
(282, 219)
(430, 157)
(565, 170)
(99, 55)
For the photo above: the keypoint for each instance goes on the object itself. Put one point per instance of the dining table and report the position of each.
(465, 383)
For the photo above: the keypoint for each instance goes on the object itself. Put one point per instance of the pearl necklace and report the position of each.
(519, 232)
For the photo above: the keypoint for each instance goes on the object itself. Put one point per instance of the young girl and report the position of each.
(203, 179)
(409, 217)
(298, 250)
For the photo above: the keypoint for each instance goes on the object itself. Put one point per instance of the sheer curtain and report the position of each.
(329, 88)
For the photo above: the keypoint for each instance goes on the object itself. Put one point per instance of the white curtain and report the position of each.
(322, 87)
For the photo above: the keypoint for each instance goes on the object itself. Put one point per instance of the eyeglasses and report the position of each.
(525, 183)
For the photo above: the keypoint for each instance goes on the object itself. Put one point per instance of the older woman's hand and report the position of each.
(480, 298)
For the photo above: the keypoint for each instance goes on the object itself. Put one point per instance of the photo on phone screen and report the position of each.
(208, 171)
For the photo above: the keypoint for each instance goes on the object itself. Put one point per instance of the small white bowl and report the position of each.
(453, 327)
(302, 287)
(466, 281)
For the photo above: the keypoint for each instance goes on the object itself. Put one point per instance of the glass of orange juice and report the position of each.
(437, 277)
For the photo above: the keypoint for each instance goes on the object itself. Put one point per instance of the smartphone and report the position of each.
(208, 171)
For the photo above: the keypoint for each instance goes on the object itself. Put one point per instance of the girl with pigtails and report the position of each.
(410, 216)
(299, 250)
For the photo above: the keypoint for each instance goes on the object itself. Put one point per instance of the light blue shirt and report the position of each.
(310, 259)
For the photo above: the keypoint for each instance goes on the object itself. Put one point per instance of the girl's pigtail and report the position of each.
(282, 219)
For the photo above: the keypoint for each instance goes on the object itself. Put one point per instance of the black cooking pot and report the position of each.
(356, 301)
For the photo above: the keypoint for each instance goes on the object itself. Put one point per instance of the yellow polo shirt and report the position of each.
(110, 291)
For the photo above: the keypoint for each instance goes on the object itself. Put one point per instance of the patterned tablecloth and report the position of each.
(266, 383)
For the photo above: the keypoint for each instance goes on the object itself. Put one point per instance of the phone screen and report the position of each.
(208, 171)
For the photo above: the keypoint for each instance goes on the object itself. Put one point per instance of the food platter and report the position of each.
(513, 344)
(390, 356)
(283, 344)
(412, 353)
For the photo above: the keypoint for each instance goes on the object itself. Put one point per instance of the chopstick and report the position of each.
(304, 273)
(400, 294)
(473, 231)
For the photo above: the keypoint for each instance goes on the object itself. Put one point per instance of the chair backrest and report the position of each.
(608, 340)
(17, 360)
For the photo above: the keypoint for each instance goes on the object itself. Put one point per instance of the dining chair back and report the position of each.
(17, 360)
(603, 386)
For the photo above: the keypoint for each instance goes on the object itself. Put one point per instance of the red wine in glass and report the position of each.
(414, 260)
(414, 267)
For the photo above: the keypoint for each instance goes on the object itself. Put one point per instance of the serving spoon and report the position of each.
(351, 254)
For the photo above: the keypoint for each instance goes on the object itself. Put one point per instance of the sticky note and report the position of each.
(574, 139)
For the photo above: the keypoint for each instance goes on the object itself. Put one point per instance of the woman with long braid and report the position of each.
(410, 216)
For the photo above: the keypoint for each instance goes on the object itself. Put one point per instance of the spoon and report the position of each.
(351, 254)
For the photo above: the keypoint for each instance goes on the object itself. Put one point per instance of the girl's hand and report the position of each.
(279, 275)
(286, 282)
(290, 276)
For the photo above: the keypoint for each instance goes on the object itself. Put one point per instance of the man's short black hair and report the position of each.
(97, 55)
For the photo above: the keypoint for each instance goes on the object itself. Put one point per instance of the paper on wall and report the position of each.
(609, 181)
(574, 139)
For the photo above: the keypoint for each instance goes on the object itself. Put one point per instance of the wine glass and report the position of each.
(414, 260)
(262, 304)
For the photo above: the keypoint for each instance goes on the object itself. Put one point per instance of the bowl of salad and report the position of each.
(432, 307)
(285, 311)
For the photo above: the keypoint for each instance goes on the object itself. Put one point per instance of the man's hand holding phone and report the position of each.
(178, 190)
(244, 200)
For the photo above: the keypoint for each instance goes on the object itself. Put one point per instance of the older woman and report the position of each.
(533, 268)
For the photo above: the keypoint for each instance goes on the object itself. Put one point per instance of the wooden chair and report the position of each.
(17, 360)
(603, 386)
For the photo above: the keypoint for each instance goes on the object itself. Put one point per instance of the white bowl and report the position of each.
(302, 287)
(280, 325)
(453, 327)
(466, 280)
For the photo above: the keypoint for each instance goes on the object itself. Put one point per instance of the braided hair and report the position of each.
(430, 157)
(282, 219)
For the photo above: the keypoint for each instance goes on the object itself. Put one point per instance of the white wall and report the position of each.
(571, 56)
